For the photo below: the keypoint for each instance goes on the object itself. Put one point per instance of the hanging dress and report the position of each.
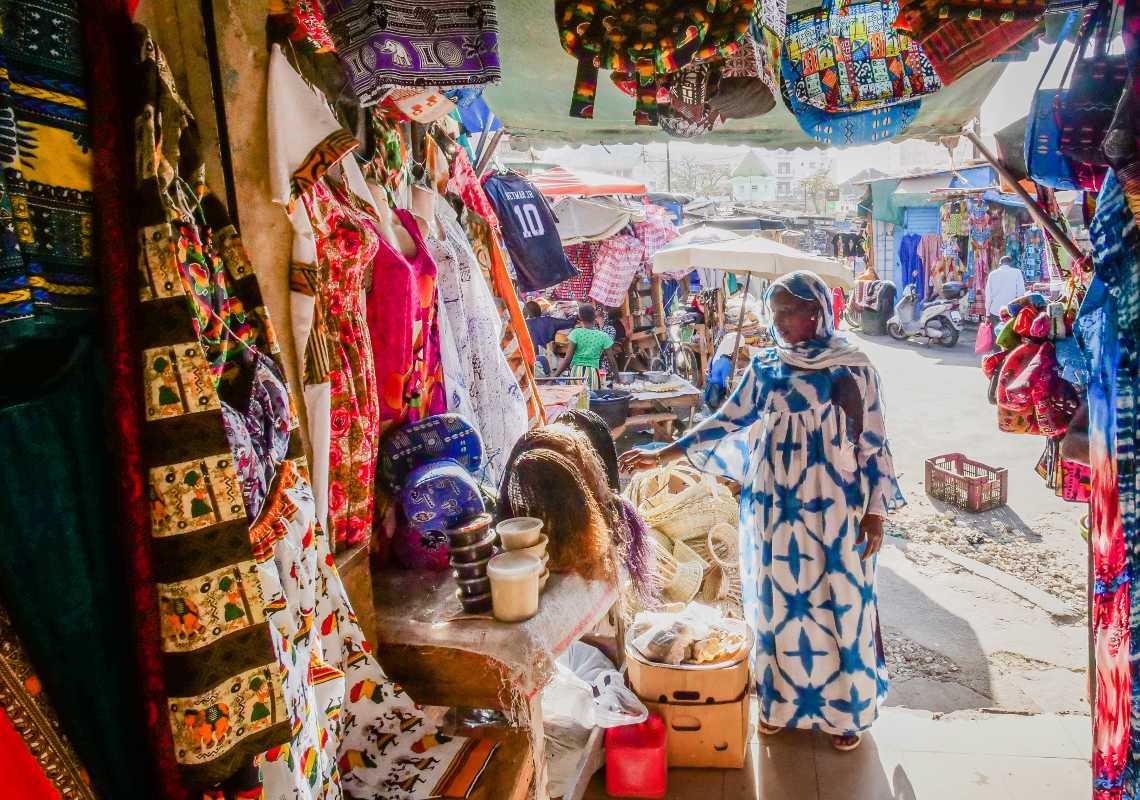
(497, 405)
(336, 238)
(808, 595)
(348, 239)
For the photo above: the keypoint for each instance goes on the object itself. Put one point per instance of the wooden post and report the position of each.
(740, 325)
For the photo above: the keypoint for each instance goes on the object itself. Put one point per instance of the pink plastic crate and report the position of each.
(965, 483)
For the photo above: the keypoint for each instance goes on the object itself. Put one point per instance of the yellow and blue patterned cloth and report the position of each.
(47, 275)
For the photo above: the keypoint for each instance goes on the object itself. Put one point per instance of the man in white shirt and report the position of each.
(1004, 285)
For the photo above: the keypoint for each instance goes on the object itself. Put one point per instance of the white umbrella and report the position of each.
(702, 234)
(750, 255)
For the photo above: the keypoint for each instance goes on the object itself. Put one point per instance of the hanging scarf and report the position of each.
(826, 349)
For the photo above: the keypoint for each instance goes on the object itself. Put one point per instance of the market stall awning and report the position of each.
(581, 220)
(538, 76)
(582, 183)
(753, 255)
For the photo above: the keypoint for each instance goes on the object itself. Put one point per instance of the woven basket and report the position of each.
(684, 514)
(680, 580)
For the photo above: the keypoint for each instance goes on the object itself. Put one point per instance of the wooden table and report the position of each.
(661, 413)
(562, 394)
(442, 658)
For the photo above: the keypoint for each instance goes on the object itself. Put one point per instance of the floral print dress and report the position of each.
(347, 239)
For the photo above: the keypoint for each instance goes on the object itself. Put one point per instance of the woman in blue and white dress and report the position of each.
(804, 435)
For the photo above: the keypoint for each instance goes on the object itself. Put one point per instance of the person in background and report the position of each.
(805, 436)
(1004, 285)
(838, 304)
(587, 345)
(720, 369)
(615, 328)
(543, 329)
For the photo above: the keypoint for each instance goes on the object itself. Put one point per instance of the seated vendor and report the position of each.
(588, 343)
(615, 327)
(543, 328)
(720, 368)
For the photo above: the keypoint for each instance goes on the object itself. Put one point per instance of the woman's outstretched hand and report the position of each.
(638, 459)
(871, 532)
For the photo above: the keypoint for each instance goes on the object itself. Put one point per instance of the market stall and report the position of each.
(315, 525)
(955, 226)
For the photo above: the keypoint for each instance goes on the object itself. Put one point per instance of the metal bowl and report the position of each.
(473, 571)
(474, 587)
(657, 377)
(627, 378)
(484, 548)
(474, 605)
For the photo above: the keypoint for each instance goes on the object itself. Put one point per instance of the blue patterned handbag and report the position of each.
(439, 495)
(1044, 162)
(849, 128)
(429, 439)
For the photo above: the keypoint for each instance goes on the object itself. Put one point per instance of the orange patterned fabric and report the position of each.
(516, 341)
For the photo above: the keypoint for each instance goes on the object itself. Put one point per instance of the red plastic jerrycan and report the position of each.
(636, 763)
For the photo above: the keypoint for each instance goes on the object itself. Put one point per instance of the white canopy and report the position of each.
(754, 255)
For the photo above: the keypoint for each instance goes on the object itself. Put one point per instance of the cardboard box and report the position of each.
(687, 683)
(714, 735)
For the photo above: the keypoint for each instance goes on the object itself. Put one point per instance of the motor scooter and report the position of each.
(940, 320)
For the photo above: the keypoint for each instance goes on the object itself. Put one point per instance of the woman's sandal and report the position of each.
(769, 730)
(847, 742)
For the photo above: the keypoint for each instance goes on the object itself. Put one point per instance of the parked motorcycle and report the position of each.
(940, 320)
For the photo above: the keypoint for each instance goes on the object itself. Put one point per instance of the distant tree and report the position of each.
(817, 187)
(699, 178)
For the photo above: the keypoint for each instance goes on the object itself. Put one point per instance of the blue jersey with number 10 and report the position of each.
(528, 227)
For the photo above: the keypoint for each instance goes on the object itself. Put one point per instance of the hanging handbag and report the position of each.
(985, 341)
(847, 56)
(1044, 162)
(642, 44)
(960, 38)
(850, 128)
(1017, 422)
(1076, 481)
(749, 84)
(1085, 106)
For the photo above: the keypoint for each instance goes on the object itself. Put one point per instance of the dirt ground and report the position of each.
(979, 610)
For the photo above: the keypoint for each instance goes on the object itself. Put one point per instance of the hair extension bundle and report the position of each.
(598, 432)
(545, 484)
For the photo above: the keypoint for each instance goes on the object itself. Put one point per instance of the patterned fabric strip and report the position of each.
(23, 702)
(106, 23)
(324, 155)
(385, 43)
(200, 308)
(48, 283)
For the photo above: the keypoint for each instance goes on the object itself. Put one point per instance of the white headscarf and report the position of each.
(826, 349)
(728, 346)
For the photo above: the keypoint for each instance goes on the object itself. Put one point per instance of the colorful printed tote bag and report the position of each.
(849, 57)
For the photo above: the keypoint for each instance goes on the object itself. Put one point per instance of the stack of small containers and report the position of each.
(472, 545)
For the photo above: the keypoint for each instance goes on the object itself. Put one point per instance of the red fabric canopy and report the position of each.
(561, 181)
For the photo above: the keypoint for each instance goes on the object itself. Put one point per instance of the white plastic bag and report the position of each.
(614, 703)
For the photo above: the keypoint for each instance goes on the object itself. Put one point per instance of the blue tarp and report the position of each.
(1011, 200)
